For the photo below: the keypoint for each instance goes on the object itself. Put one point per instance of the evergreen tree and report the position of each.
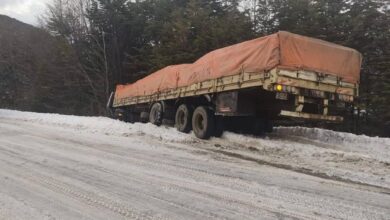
(360, 24)
(192, 28)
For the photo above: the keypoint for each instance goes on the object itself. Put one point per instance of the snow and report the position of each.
(101, 125)
(73, 167)
(375, 146)
(108, 126)
(337, 155)
(333, 137)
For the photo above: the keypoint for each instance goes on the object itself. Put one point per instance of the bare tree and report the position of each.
(68, 19)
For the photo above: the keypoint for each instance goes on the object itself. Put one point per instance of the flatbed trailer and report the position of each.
(252, 99)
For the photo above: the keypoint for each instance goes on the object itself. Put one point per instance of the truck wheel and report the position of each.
(120, 114)
(156, 113)
(203, 122)
(219, 126)
(183, 118)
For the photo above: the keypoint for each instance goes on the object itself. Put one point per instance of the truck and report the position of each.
(247, 85)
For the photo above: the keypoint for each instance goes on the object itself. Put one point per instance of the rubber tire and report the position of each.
(185, 124)
(219, 126)
(156, 114)
(203, 122)
(120, 114)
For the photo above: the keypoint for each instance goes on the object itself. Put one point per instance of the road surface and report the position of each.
(53, 169)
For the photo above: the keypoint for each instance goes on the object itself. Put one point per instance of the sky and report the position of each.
(23, 10)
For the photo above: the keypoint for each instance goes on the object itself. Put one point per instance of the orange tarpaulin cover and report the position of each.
(282, 50)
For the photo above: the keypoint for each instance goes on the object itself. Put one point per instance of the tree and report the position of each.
(184, 33)
(360, 24)
(370, 32)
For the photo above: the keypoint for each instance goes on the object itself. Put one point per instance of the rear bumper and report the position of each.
(310, 116)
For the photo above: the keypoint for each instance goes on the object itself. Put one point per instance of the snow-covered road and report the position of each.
(68, 167)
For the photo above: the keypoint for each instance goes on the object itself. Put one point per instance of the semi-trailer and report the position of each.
(249, 84)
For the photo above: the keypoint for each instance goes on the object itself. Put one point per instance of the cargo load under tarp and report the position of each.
(281, 50)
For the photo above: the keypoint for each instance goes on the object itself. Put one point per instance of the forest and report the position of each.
(83, 48)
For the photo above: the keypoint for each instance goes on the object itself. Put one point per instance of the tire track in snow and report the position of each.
(211, 147)
(306, 171)
(226, 199)
(79, 194)
(343, 204)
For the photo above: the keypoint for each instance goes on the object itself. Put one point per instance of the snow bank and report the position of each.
(337, 154)
(114, 127)
(374, 147)
(306, 139)
(101, 125)
(333, 137)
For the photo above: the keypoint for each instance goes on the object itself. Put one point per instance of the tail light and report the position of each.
(287, 89)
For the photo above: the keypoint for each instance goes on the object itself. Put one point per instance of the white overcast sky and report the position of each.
(23, 10)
